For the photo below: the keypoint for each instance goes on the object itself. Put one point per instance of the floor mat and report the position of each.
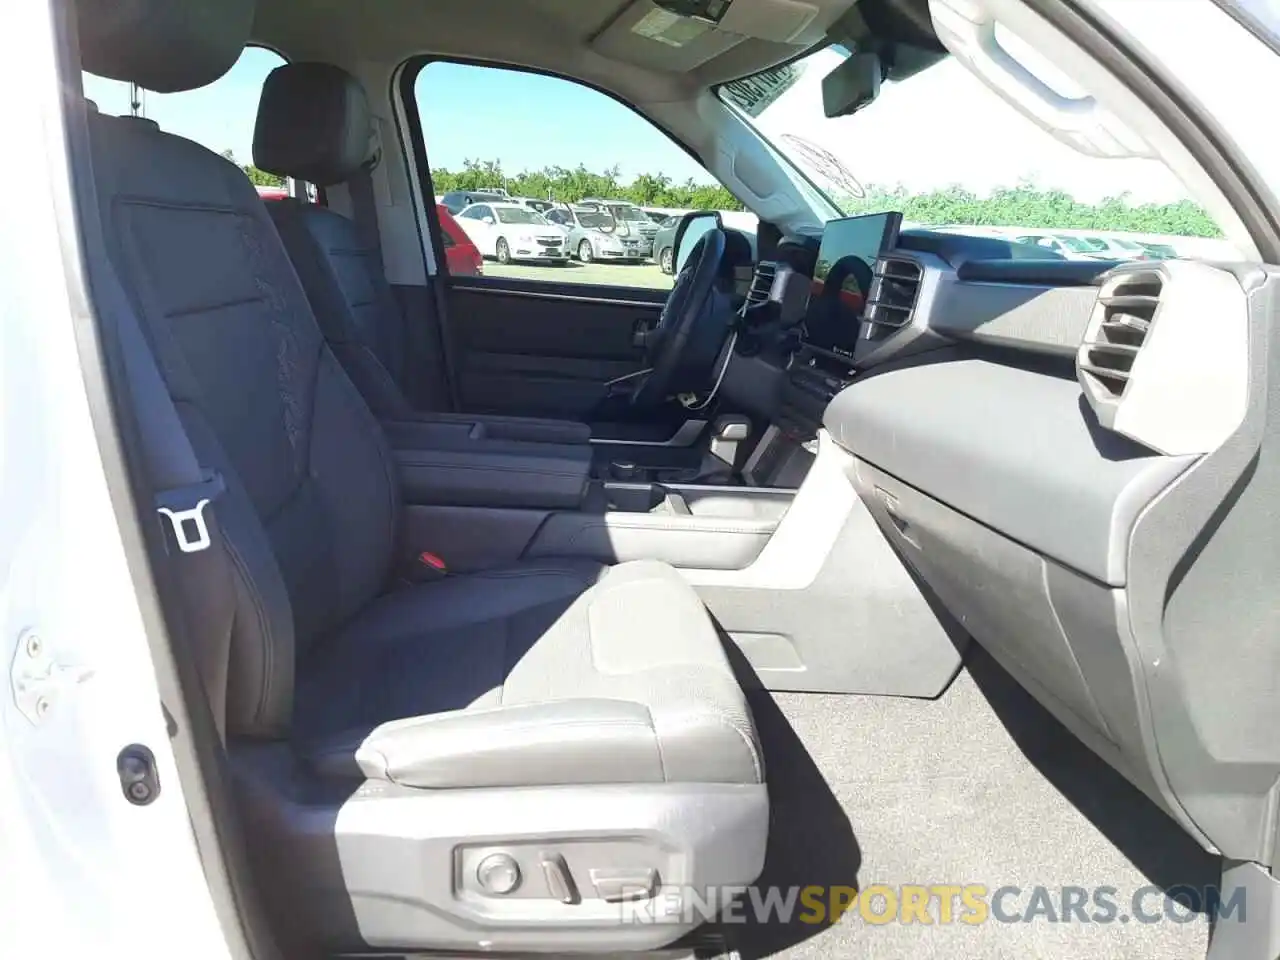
(981, 786)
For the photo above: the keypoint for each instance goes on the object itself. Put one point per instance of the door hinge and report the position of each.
(38, 679)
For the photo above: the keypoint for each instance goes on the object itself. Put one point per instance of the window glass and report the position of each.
(446, 228)
(943, 148)
(550, 140)
(220, 116)
(629, 214)
(519, 215)
(595, 219)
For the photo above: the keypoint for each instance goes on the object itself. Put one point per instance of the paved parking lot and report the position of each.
(614, 274)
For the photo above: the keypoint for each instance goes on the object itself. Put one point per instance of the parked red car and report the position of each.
(461, 255)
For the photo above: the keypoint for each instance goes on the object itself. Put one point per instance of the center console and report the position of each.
(478, 499)
(767, 527)
(481, 495)
(465, 464)
(686, 525)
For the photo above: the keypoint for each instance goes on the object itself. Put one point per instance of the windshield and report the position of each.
(595, 220)
(521, 215)
(944, 149)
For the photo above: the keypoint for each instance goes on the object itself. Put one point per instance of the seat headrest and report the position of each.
(313, 124)
(163, 45)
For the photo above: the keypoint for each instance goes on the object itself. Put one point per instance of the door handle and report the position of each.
(641, 331)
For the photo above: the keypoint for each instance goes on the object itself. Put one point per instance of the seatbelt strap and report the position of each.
(184, 492)
(364, 213)
(183, 489)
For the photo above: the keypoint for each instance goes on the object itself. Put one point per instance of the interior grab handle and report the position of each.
(967, 28)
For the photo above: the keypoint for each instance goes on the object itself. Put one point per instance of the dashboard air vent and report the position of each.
(894, 286)
(1125, 311)
(1164, 357)
(762, 282)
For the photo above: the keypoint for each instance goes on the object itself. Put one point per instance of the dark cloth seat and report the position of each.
(312, 511)
(314, 124)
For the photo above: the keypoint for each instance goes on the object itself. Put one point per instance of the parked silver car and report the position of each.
(632, 221)
(594, 234)
(664, 244)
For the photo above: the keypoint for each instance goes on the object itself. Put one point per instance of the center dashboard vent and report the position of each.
(762, 282)
(892, 297)
(1125, 310)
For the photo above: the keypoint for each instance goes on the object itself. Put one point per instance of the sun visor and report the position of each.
(780, 21)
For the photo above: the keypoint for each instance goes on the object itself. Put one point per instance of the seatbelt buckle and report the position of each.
(426, 566)
(184, 508)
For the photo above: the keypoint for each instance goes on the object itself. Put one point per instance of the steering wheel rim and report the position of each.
(692, 329)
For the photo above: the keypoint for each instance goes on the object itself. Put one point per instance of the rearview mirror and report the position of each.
(692, 227)
(852, 85)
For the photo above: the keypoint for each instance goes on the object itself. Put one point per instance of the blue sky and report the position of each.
(524, 120)
(529, 122)
(220, 116)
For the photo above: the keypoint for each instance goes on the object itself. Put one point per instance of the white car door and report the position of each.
(472, 222)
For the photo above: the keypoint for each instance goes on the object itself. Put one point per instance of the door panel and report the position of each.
(538, 348)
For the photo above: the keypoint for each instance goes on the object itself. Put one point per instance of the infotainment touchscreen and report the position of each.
(842, 278)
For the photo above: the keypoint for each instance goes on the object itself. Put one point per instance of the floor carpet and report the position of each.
(979, 786)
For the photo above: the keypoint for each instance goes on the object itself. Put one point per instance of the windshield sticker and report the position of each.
(826, 164)
(754, 94)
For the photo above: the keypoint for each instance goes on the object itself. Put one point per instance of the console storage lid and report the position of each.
(445, 463)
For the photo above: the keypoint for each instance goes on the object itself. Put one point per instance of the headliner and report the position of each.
(593, 40)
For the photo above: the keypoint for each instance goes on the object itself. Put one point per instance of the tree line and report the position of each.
(1024, 205)
(259, 178)
(578, 183)
(1029, 206)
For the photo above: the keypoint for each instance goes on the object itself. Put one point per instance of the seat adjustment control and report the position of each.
(559, 880)
(498, 874)
(615, 885)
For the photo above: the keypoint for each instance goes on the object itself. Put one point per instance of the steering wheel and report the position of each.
(681, 351)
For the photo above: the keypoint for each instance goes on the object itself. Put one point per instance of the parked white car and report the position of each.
(1118, 248)
(1073, 248)
(512, 231)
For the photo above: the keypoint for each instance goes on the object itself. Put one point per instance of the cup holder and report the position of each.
(633, 497)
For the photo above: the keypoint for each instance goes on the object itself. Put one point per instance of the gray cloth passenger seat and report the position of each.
(486, 761)
(314, 124)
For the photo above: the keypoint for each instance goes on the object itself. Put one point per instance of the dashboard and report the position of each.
(1036, 439)
(896, 293)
